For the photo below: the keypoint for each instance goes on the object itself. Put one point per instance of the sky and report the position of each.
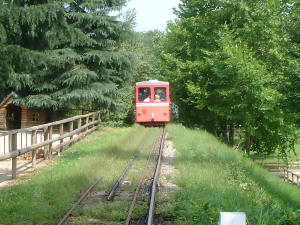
(153, 14)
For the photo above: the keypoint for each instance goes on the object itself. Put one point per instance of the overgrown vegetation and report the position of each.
(215, 178)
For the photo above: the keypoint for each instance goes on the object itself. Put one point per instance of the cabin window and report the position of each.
(144, 94)
(160, 94)
(10, 116)
(36, 117)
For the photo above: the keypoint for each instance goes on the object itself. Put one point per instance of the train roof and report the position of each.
(153, 82)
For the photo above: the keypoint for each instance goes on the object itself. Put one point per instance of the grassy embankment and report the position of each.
(212, 178)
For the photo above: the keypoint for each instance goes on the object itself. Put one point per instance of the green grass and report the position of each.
(214, 178)
(46, 197)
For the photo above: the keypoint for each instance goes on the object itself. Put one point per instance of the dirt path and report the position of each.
(24, 168)
(168, 169)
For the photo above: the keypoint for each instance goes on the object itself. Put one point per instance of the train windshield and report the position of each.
(160, 94)
(144, 94)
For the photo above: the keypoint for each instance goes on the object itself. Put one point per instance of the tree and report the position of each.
(145, 47)
(227, 62)
(292, 88)
(3, 71)
(64, 54)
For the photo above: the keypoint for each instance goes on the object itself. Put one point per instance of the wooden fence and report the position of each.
(15, 143)
(291, 176)
(289, 170)
(280, 165)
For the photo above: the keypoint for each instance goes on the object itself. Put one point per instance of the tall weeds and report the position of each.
(215, 178)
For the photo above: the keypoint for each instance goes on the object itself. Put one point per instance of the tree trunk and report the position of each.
(231, 135)
(248, 143)
(225, 134)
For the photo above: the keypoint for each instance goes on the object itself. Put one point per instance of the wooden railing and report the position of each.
(21, 141)
(291, 176)
(280, 165)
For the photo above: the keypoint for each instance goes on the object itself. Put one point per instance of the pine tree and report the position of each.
(65, 53)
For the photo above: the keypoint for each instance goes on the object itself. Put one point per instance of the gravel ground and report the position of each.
(25, 171)
(168, 169)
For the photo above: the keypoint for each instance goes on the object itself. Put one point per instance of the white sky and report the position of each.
(152, 14)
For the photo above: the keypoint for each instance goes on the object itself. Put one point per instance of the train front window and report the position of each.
(160, 94)
(144, 94)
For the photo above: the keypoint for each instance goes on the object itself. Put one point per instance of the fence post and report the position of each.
(86, 122)
(284, 174)
(99, 120)
(46, 147)
(33, 141)
(79, 123)
(50, 145)
(14, 147)
(93, 119)
(71, 128)
(61, 132)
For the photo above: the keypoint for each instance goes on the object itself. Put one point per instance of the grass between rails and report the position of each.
(46, 197)
(214, 178)
(115, 211)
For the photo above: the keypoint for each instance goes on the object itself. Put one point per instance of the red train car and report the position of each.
(153, 102)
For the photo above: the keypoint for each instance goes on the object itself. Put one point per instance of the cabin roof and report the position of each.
(7, 99)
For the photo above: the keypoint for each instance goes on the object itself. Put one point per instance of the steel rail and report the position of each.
(117, 184)
(141, 181)
(67, 215)
(154, 183)
(137, 191)
(75, 205)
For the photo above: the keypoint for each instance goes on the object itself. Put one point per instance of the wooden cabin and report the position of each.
(16, 117)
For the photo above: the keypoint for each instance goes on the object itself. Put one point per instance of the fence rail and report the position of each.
(291, 176)
(49, 137)
(280, 164)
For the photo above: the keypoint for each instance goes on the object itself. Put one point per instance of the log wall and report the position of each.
(33, 117)
(3, 117)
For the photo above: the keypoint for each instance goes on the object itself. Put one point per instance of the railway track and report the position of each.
(131, 191)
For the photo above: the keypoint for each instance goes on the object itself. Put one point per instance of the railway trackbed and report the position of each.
(126, 195)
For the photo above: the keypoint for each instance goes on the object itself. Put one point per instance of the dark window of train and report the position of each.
(160, 94)
(144, 94)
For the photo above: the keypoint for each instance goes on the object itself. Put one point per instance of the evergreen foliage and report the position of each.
(62, 54)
